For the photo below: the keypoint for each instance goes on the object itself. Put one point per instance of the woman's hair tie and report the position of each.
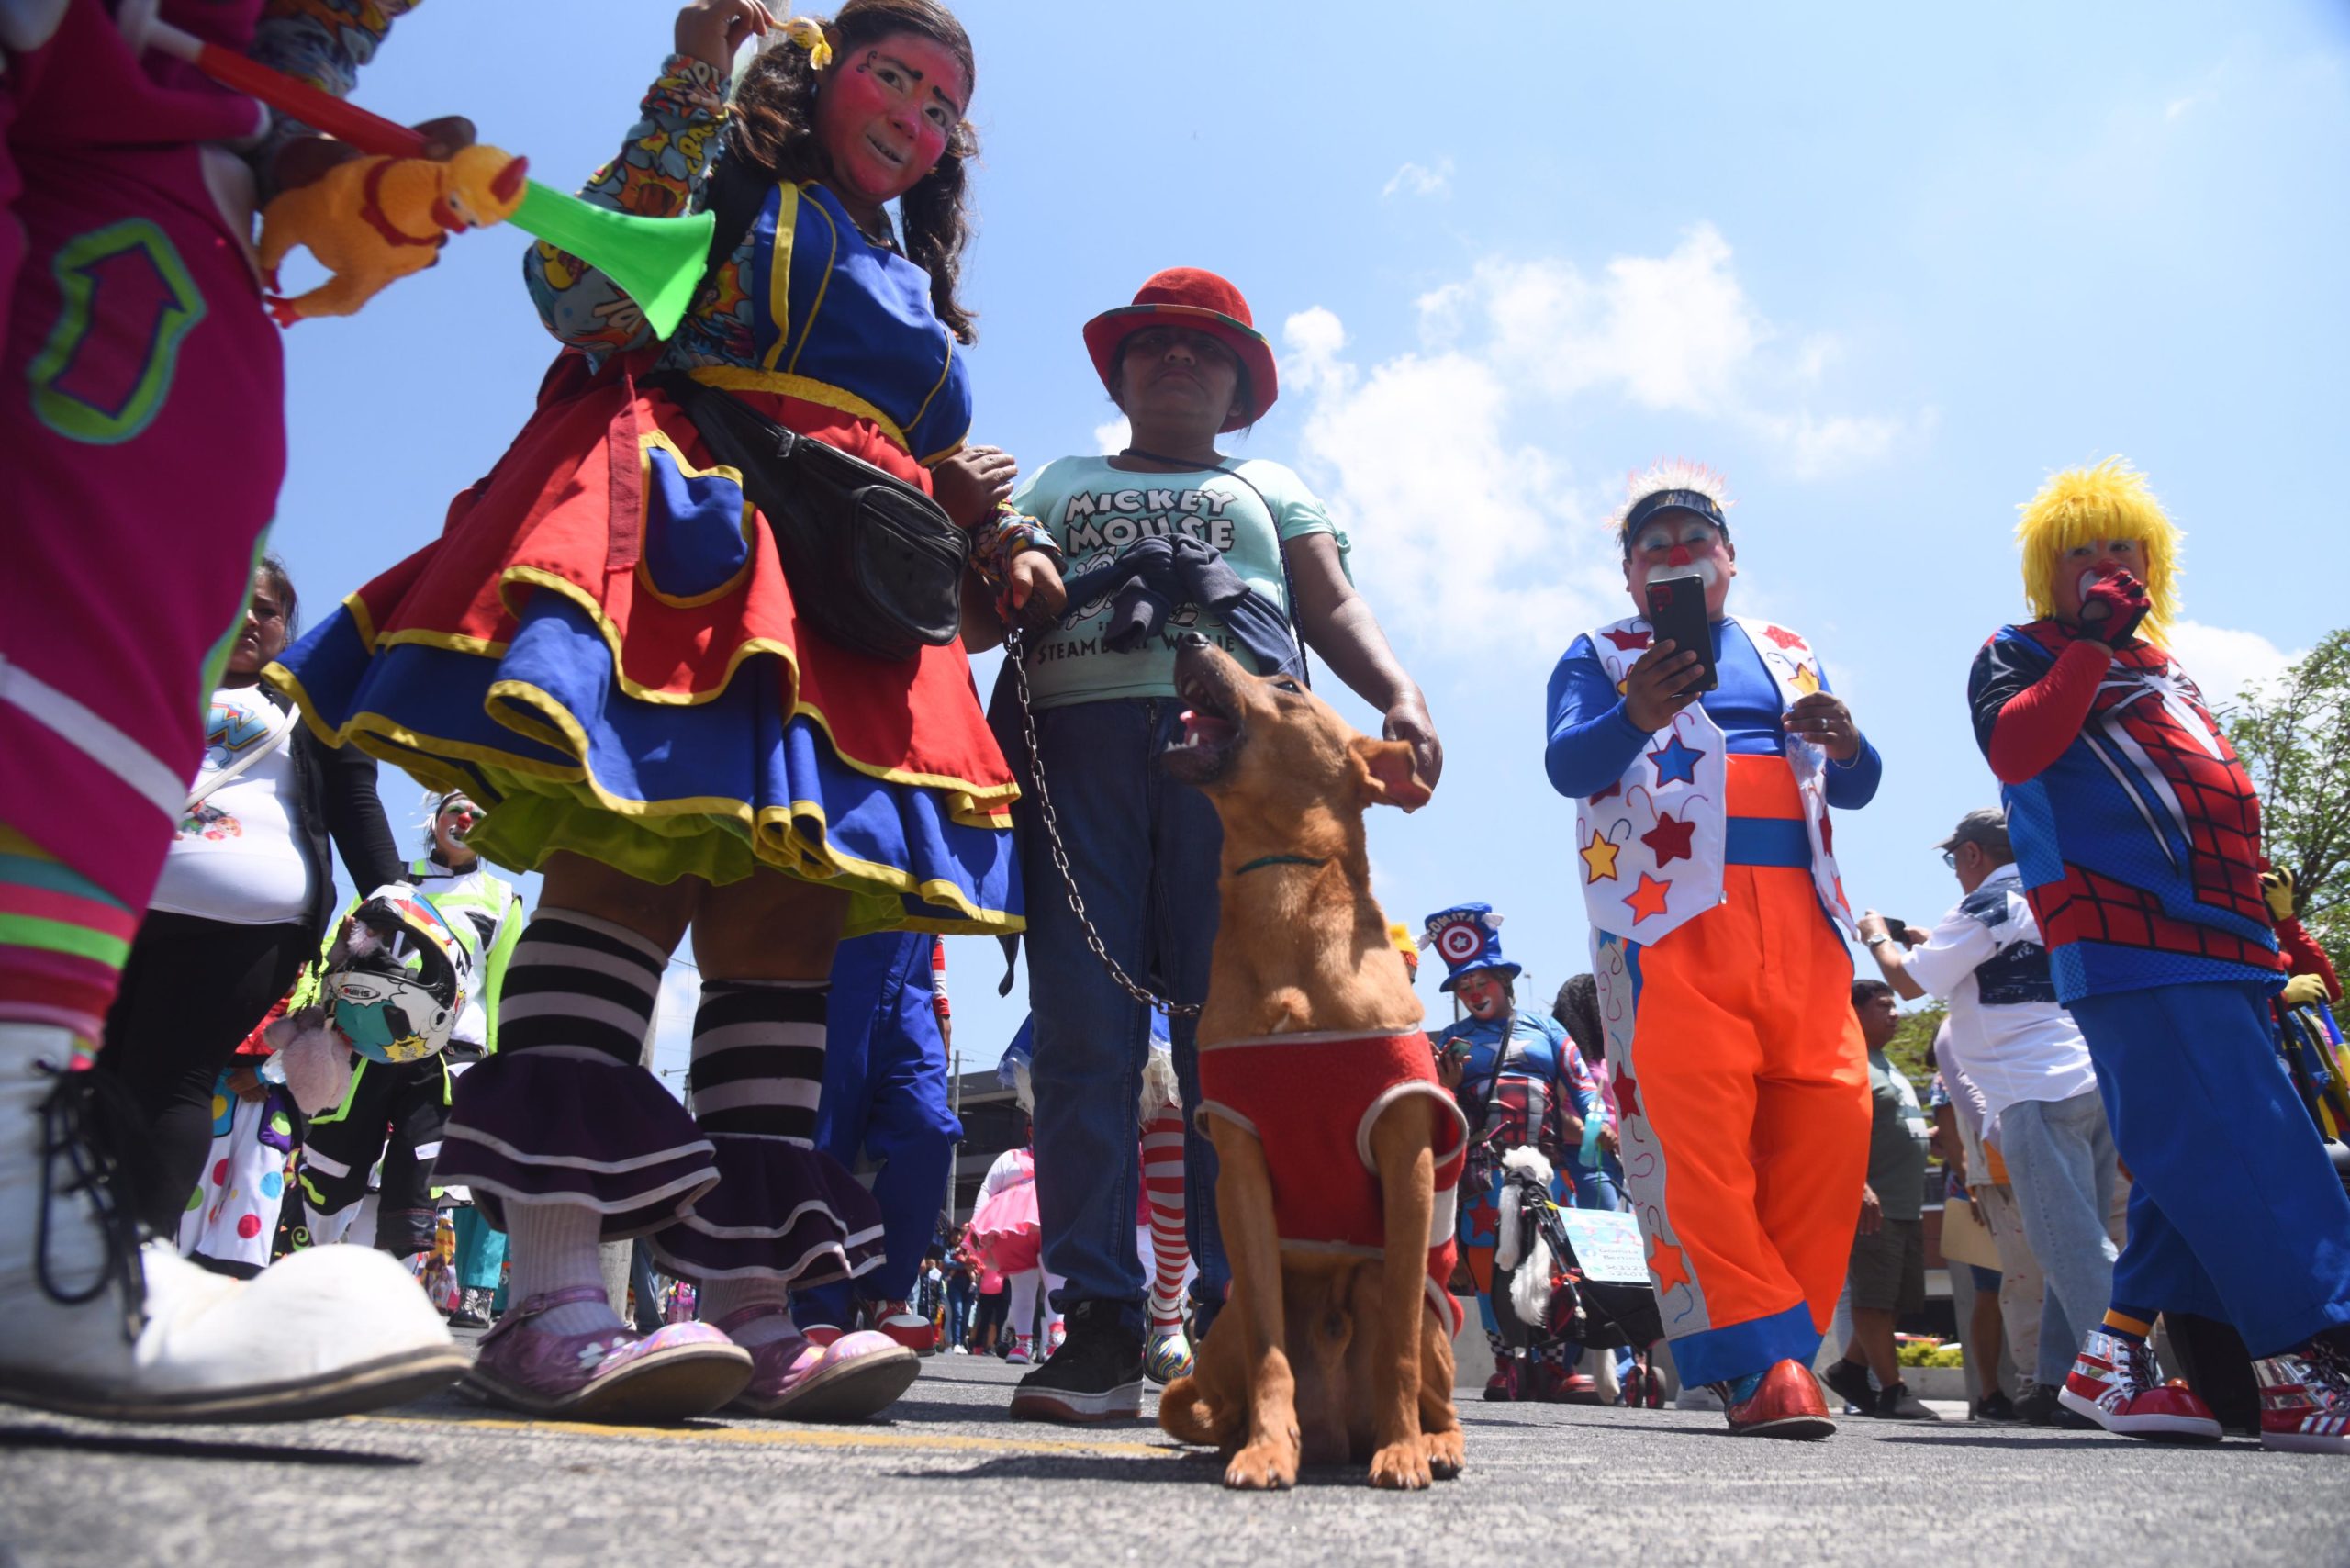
(809, 34)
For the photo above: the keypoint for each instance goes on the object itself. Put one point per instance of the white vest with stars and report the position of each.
(1652, 844)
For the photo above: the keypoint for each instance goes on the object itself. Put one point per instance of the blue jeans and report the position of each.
(1143, 848)
(2061, 1162)
(958, 1311)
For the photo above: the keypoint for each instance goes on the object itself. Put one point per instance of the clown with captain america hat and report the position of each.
(1521, 1083)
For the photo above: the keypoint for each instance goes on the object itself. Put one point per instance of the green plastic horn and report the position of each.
(658, 261)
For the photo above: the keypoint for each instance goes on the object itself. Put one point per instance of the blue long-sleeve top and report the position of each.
(1592, 743)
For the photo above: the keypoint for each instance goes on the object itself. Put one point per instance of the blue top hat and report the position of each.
(1467, 936)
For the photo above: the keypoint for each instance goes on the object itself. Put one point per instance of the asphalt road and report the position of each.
(948, 1481)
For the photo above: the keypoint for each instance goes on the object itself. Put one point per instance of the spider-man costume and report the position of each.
(2138, 836)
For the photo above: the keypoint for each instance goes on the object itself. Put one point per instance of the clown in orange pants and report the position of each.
(1742, 1021)
(1705, 856)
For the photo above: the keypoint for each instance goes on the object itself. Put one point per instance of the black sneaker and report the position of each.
(1849, 1380)
(1897, 1403)
(1997, 1410)
(1096, 1375)
(2036, 1406)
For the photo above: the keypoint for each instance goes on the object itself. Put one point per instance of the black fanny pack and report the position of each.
(873, 563)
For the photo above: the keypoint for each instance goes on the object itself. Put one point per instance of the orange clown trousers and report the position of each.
(1744, 1092)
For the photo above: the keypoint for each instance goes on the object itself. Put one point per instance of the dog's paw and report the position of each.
(1401, 1467)
(1445, 1456)
(1265, 1466)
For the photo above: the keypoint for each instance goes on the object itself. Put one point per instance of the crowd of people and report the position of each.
(614, 667)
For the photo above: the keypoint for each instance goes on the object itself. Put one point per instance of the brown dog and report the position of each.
(1331, 1348)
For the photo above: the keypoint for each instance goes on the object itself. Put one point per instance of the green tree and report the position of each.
(1906, 1049)
(2294, 737)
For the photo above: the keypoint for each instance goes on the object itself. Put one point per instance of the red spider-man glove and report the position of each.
(2112, 607)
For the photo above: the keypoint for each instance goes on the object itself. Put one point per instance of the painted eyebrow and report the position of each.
(938, 93)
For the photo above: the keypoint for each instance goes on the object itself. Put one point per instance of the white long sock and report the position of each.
(553, 1248)
(723, 1296)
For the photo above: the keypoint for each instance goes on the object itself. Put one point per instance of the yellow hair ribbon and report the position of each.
(809, 34)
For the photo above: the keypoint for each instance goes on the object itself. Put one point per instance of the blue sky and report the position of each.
(1885, 266)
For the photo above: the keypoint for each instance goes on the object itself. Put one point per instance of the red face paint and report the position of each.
(885, 114)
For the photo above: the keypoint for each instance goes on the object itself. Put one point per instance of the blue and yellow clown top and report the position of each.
(806, 305)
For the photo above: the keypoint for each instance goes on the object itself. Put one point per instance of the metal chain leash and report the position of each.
(1015, 652)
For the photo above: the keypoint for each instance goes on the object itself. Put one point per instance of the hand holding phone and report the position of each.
(1677, 611)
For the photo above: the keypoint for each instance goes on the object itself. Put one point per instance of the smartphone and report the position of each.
(1677, 611)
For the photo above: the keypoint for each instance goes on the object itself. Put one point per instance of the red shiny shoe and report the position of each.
(1785, 1403)
(1571, 1388)
(2114, 1382)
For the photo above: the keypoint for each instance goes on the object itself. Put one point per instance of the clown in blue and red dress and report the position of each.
(2138, 836)
(1520, 1082)
(604, 650)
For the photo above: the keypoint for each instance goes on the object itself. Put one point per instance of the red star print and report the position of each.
(1827, 833)
(1647, 898)
(1628, 1093)
(1786, 638)
(1669, 839)
(1627, 641)
(1667, 1265)
(1609, 793)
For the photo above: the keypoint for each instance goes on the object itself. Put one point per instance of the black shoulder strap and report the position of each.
(737, 191)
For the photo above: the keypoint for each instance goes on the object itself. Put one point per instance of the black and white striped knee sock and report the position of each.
(758, 1071)
(758, 1064)
(580, 985)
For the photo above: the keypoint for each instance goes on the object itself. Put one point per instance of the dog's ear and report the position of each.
(1387, 777)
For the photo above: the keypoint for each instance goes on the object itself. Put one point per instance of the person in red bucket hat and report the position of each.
(1197, 300)
(1168, 538)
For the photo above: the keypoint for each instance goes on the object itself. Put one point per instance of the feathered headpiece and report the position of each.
(1669, 483)
(2082, 506)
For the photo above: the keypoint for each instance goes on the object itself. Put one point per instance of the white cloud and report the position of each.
(2223, 661)
(1489, 540)
(1414, 179)
(1471, 534)
(1112, 438)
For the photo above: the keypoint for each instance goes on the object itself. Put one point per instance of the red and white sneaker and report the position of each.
(2304, 1401)
(2114, 1382)
(908, 1328)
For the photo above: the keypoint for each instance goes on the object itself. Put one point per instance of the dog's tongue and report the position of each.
(1205, 729)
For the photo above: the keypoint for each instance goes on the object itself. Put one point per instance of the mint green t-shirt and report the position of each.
(1095, 512)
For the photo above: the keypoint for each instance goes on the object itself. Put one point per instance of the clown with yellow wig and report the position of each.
(2138, 836)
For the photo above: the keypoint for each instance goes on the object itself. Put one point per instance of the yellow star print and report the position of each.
(1600, 856)
(1806, 682)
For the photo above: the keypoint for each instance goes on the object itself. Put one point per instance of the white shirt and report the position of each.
(234, 858)
(2008, 1032)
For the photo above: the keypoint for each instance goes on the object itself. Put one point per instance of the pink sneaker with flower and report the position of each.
(2304, 1401)
(606, 1374)
(851, 1378)
(2114, 1382)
